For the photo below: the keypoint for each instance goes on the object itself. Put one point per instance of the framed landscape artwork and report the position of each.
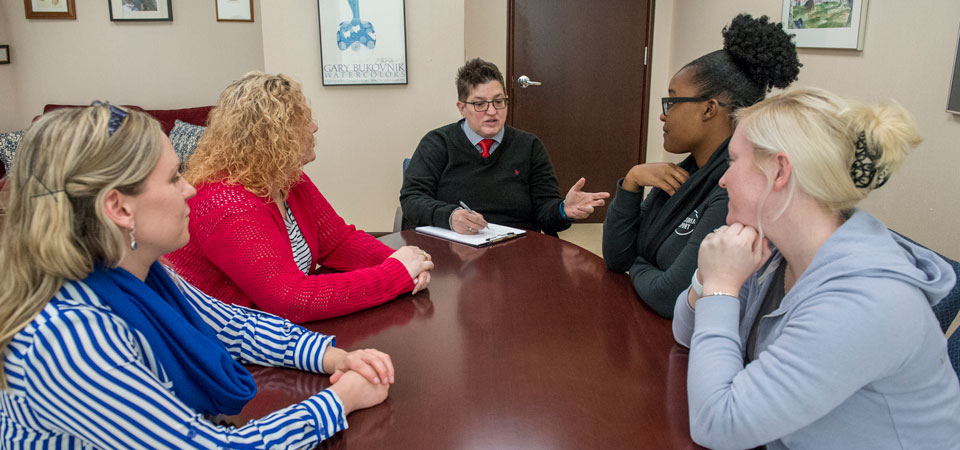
(826, 23)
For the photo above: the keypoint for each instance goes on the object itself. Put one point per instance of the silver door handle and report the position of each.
(524, 82)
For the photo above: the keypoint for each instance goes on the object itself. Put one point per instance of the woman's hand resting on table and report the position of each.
(357, 392)
(418, 264)
(727, 257)
(361, 378)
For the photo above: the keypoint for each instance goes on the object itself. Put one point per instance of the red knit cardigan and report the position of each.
(239, 252)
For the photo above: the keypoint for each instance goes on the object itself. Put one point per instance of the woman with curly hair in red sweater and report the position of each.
(258, 225)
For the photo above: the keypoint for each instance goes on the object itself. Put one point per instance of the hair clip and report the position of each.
(116, 116)
(864, 169)
(46, 188)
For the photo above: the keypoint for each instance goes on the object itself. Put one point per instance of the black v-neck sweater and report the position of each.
(515, 186)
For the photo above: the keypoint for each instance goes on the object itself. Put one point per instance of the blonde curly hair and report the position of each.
(255, 136)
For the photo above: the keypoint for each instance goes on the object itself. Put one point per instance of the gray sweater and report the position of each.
(853, 358)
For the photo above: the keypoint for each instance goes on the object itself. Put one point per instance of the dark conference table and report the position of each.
(528, 344)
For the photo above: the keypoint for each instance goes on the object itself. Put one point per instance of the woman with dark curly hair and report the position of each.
(656, 239)
(258, 225)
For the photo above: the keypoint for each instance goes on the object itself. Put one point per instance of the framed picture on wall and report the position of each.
(140, 10)
(953, 102)
(362, 42)
(826, 24)
(4, 54)
(234, 10)
(50, 9)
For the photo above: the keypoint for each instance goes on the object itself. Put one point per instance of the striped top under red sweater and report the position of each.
(239, 252)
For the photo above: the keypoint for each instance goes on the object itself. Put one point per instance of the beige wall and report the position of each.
(176, 64)
(485, 31)
(366, 131)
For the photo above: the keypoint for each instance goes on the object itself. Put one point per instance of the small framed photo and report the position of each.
(362, 42)
(4, 54)
(234, 10)
(140, 10)
(833, 24)
(50, 9)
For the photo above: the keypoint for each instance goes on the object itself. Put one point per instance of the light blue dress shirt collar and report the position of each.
(475, 138)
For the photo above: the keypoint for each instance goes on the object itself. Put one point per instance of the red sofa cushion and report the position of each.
(166, 117)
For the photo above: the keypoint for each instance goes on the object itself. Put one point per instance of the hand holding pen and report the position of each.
(466, 220)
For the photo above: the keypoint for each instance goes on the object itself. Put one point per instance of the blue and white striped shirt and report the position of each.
(80, 376)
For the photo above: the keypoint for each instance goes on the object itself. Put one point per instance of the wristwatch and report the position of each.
(695, 284)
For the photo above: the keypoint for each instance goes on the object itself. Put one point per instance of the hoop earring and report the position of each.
(133, 240)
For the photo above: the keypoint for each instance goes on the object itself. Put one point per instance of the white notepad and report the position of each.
(492, 234)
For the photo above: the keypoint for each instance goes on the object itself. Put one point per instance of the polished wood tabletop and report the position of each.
(528, 344)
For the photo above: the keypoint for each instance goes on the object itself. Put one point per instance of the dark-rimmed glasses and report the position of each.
(116, 116)
(484, 105)
(667, 102)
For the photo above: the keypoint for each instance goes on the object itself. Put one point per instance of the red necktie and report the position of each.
(485, 145)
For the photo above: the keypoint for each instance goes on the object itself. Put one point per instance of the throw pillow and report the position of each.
(8, 147)
(184, 137)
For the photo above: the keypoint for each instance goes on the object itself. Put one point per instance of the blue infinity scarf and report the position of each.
(204, 375)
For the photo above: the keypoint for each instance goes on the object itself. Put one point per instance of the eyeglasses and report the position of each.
(667, 102)
(484, 105)
(116, 116)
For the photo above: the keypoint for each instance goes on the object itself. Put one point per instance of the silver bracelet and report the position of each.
(718, 294)
(450, 218)
(695, 284)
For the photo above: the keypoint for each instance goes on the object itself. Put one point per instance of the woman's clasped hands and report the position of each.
(728, 256)
(360, 378)
(418, 264)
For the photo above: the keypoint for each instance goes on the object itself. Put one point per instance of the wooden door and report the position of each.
(590, 109)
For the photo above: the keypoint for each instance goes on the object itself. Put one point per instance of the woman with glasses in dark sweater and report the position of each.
(656, 239)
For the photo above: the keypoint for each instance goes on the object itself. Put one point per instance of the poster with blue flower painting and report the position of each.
(362, 42)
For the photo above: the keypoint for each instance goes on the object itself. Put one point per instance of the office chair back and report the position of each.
(398, 216)
(947, 312)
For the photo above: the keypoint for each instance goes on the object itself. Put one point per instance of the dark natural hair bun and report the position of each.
(757, 55)
(763, 50)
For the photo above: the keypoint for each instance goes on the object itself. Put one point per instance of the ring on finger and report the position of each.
(470, 229)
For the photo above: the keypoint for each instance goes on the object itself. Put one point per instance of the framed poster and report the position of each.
(50, 9)
(234, 10)
(826, 24)
(140, 10)
(953, 102)
(362, 42)
(4, 54)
